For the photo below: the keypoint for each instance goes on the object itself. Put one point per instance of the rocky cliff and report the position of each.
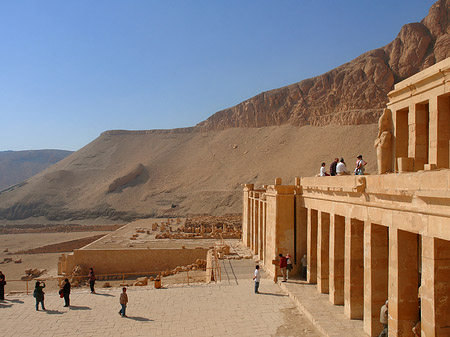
(353, 93)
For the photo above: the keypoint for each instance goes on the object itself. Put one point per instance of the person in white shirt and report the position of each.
(256, 278)
(323, 171)
(341, 169)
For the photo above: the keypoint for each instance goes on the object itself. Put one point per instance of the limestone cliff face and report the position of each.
(353, 93)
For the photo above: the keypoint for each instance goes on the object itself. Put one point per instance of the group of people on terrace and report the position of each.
(339, 168)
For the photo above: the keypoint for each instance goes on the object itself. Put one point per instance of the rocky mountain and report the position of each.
(17, 166)
(354, 93)
(287, 132)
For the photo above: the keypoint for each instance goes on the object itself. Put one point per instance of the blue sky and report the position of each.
(70, 70)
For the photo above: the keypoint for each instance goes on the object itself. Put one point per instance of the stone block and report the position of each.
(405, 164)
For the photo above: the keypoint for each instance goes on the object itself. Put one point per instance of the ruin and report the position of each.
(376, 237)
(157, 247)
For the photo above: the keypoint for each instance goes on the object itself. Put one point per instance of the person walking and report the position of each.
(360, 164)
(66, 292)
(283, 265)
(39, 294)
(304, 263)
(289, 266)
(2, 286)
(92, 280)
(384, 320)
(123, 302)
(257, 279)
(333, 167)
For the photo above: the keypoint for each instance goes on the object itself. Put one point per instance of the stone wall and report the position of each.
(136, 260)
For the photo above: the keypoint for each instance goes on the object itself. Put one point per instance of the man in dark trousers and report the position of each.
(66, 292)
(333, 167)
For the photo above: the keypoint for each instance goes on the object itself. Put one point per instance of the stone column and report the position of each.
(337, 244)
(323, 252)
(439, 131)
(403, 282)
(435, 287)
(246, 214)
(256, 225)
(376, 261)
(312, 246)
(354, 269)
(418, 135)
(260, 228)
(302, 233)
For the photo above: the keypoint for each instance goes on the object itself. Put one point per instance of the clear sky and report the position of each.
(70, 70)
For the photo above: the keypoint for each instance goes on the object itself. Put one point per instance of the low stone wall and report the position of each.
(136, 260)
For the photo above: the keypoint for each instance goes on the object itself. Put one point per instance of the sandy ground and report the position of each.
(16, 242)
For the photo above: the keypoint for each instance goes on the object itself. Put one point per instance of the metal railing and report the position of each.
(182, 277)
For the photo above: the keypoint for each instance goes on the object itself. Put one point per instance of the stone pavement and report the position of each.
(329, 319)
(228, 308)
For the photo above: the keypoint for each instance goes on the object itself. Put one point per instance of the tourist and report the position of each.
(288, 265)
(92, 280)
(323, 171)
(39, 294)
(384, 319)
(333, 167)
(123, 302)
(2, 286)
(360, 163)
(66, 292)
(341, 169)
(304, 263)
(256, 278)
(283, 265)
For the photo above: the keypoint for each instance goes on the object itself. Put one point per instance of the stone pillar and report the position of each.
(260, 228)
(302, 233)
(256, 225)
(403, 282)
(252, 218)
(246, 213)
(312, 246)
(439, 131)
(376, 261)
(354, 269)
(418, 135)
(323, 252)
(337, 244)
(435, 287)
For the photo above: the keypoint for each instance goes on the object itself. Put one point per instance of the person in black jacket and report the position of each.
(2, 286)
(66, 292)
(333, 167)
(39, 294)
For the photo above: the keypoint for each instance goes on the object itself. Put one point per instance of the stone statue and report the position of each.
(383, 143)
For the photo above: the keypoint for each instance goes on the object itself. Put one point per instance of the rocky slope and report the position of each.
(354, 93)
(287, 132)
(126, 175)
(17, 166)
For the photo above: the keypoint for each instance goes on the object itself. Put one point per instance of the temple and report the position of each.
(374, 237)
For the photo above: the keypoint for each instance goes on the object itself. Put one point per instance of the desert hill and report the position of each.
(17, 166)
(124, 175)
(284, 133)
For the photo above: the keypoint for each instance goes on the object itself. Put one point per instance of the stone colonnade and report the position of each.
(367, 239)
